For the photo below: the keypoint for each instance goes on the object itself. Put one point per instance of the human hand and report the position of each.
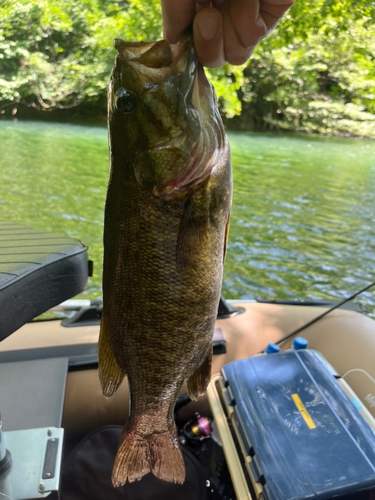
(224, 30)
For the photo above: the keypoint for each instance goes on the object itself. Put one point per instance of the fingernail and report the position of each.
(207, 25)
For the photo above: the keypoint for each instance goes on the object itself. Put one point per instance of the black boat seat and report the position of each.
(37, 271)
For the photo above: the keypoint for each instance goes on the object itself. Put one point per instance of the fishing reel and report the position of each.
(196, 430)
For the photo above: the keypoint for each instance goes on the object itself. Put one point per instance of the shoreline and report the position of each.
(101, 121)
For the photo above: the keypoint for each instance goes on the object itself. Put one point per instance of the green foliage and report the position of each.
(315, 73)
(48, 53)
(227, 82)
(59, 54)
(321, 78)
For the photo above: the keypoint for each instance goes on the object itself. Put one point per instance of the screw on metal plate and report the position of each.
(208, 484)
(49, 432)
(42, 487)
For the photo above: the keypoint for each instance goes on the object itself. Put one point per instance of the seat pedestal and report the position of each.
(36, 462)
(31, 402)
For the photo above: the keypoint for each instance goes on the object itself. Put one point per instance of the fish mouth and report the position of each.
(153, 55)
(193, 137)
(155, 62)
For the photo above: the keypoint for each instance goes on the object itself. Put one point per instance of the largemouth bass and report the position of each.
(166, 220)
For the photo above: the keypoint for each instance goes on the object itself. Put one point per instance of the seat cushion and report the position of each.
(37, 271)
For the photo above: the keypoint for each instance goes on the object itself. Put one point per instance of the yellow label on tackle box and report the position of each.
(309, 421)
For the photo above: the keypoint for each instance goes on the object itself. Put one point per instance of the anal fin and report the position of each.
(198, 381)
(110, 374)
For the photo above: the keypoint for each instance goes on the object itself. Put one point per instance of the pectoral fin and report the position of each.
(226, 237)
(110, 374)
(200, 378)
(193, 231)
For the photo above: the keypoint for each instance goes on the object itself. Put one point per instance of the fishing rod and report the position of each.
(317, 318)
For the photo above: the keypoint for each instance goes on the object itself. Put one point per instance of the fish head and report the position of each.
(164, 124)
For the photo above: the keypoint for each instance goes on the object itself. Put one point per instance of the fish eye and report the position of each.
(125, 101)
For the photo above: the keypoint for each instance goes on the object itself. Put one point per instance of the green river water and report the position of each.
(302, 223)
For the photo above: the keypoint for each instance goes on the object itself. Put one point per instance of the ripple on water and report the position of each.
(302, 223)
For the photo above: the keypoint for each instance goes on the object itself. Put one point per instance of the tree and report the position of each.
(55, 55)
(315, 73)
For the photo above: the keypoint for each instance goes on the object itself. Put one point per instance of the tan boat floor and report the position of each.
(346, 339)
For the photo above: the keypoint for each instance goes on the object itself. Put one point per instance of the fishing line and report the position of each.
(317, 318)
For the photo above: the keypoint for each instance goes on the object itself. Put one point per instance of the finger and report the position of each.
(208, 37)
(201, 6)
(273, 13)
(177, 16)
(247, 22)
(254, 19)
(234, 50)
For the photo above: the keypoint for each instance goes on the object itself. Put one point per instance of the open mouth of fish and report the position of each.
(200, 136)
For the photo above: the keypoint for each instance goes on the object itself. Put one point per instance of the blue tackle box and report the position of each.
(300, 435)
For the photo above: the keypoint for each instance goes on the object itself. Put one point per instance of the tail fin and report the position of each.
(156, 453)
(166, 458)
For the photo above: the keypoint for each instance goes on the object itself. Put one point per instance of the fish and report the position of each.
(167, 211)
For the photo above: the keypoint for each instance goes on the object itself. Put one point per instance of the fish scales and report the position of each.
(166, 218)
